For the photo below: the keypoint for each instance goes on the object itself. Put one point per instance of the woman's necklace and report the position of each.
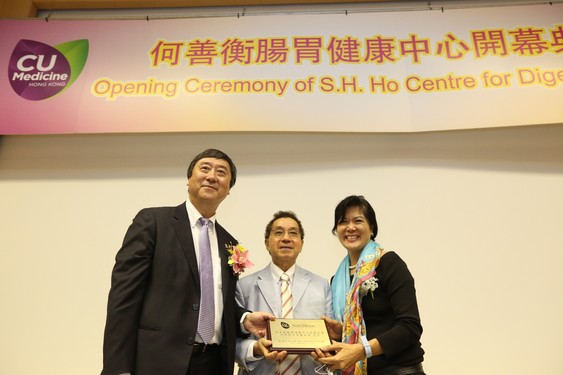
(352, 267)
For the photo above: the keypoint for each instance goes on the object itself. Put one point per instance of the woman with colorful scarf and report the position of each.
(374, 302)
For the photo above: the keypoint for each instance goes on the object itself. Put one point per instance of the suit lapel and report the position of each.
(264, 282)
(222, 242)
(300, 281)
(181, 224)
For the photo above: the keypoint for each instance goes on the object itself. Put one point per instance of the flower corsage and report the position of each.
(238, 258)
(370, 285)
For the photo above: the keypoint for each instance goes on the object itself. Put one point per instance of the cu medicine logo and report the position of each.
(38, 71)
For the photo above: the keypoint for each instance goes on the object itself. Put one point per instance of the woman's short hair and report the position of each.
(355, 201)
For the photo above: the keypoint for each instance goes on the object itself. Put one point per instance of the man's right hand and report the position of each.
(262, 348)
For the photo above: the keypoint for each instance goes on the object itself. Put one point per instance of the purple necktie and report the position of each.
(206, 324)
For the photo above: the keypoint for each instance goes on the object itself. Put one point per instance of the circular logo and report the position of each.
(38, 71)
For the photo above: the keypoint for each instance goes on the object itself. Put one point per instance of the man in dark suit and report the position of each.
(154, 301)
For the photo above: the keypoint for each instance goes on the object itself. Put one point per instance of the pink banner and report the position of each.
(370, 72)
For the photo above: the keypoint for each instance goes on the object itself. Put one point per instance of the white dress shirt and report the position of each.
(194, 215)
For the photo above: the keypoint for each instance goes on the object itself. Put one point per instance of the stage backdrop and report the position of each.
(361, 72)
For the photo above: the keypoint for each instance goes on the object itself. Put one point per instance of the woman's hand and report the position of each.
(346, 355)
(334, 328)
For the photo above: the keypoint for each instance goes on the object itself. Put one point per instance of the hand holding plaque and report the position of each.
(298, 336)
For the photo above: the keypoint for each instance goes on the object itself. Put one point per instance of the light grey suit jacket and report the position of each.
(312, 298)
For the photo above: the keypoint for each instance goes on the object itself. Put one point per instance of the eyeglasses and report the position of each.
(325, 370)
(292, 233)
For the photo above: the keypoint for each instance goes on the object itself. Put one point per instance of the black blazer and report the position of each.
(153, 303)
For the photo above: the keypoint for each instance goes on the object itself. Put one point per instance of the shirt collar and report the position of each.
(194, 215)
(277, 272)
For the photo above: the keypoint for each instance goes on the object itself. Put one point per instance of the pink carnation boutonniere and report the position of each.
(238, 258)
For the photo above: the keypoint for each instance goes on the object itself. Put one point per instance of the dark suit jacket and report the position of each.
(153, 303)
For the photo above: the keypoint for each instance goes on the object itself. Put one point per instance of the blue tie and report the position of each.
(206, 324)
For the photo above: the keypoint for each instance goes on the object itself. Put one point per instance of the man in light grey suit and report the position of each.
(260, 291)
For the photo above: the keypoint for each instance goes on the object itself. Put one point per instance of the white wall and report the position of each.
(477, 215)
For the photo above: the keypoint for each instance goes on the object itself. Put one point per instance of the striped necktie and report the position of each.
(291, 365)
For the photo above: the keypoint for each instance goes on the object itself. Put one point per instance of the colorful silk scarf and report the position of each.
(347, 299)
